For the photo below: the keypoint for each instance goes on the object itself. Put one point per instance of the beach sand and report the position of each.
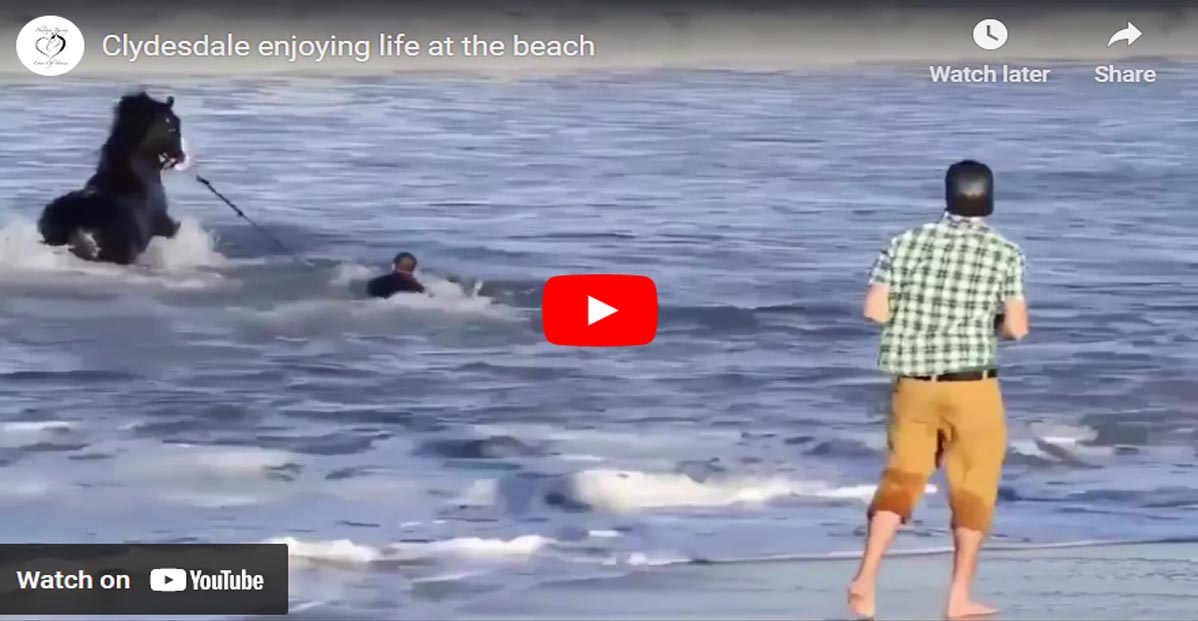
(1157, 581)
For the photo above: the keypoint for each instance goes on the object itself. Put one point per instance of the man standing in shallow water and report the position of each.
(942, 291)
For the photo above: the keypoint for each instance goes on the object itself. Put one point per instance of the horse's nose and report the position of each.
(184, 160)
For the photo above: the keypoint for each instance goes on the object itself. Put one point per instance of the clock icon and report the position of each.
(990, 34)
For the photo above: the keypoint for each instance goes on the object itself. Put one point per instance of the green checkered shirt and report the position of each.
(947, 281)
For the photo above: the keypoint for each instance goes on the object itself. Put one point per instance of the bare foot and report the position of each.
(861, 600)
(968, 608)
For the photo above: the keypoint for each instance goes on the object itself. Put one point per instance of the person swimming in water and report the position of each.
(400, 280)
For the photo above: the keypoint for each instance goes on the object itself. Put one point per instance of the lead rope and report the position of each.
(263, 231)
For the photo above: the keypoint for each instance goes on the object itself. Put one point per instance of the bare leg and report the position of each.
(973, 468)
(912, 442)
(967, 544)
(882, 528)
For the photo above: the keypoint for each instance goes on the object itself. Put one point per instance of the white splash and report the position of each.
(192, 247)
(36, 427)
(168, 262)
(626, 491)
(450, 297)
(1061, 443)
(336, 551)
(202, 476)
(631, 491)
(21, 248)
(176, 461)
(1062, 434)
(459, 548)
(349, 273)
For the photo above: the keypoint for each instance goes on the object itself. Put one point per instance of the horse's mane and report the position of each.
(133, 116)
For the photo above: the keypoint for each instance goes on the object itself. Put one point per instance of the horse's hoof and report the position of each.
(83, 245)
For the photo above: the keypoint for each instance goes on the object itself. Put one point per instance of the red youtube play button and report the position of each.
(600, 310)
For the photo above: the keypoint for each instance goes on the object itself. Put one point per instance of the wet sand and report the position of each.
(1158, 581)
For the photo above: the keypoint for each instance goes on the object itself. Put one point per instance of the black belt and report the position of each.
(961, 376)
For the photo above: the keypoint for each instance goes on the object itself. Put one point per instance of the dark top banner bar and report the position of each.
(149, 579)
(533, 8)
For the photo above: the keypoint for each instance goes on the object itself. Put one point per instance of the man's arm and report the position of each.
(1015, 317)
(877, 303)
(877, 297)
(1015, 322)
(412, 284)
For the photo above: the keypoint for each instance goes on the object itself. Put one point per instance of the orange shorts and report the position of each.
(957, 425)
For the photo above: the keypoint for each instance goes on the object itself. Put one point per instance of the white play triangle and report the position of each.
(597, 311)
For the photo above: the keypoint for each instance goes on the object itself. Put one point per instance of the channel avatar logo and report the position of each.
(50, 45)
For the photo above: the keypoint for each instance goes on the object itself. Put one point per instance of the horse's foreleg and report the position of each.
(54, 225)
(165, 226)
(83, 245)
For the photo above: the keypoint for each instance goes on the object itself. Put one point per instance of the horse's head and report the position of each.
(148, 128)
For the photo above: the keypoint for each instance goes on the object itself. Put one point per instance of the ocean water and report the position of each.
(422, 454)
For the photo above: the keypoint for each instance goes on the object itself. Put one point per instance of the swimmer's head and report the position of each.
(404, 262)
(969, 189)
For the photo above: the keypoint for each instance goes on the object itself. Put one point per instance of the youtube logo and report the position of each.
(168, 580)
(600, 310)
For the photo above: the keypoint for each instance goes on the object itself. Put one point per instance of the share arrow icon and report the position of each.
(1129, 34)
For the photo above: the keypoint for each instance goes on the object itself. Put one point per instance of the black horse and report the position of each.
(123, 206)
